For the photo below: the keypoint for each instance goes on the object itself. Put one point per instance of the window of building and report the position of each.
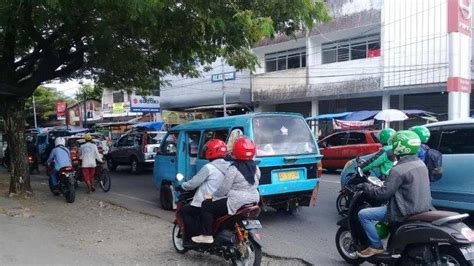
(118, 97)
(288, 59)
(351, 49)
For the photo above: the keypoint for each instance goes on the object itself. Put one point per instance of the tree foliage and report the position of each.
(89, 92)
(132, 43)
(45, 102)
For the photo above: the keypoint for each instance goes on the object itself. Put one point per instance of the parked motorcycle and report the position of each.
(235, 236)
(423, 239)
(67, 180)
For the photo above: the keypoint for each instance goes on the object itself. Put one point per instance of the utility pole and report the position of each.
(224, 100)
(34, 112)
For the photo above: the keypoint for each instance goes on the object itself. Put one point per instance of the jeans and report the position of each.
(210, 210)
(53, 177)
(368, 218)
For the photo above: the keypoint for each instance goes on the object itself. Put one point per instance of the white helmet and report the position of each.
(59, 141)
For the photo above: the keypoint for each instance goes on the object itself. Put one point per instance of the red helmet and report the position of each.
(244, 149)
(215, 148)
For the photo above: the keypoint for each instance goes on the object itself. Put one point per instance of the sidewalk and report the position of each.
(46, 230)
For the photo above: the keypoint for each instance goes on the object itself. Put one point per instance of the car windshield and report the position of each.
(155, 138)
(282, 136)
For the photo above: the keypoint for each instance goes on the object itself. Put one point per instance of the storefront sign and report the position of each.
(459, 16)
(118, 108)
(145, 104)
(61, 110)
(218, 77)
(172, 117)
(341, 124)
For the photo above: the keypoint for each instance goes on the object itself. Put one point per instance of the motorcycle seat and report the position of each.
(66, 168)
(251, 210)
(431, 216)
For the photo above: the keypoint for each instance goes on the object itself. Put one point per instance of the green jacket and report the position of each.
(383, 159)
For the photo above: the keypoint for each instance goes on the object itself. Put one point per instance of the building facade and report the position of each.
(374, 55)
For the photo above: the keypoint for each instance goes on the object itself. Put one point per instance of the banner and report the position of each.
(145, 104)
(174, 117)
(118, 108)
(61, 110)
(341, 124)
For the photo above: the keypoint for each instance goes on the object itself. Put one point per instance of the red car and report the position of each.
(341, 147)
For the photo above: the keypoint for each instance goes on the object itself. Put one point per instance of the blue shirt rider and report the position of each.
(60, 155)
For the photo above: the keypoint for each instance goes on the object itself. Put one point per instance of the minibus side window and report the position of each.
(193, 143)
(221, 134)
(457, 141)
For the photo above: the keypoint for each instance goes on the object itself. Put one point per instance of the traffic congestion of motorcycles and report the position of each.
(396, 202)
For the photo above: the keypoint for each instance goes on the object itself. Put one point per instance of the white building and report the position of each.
(374, 55)
(116, 105)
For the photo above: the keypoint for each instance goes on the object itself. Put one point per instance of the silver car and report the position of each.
(136, 148)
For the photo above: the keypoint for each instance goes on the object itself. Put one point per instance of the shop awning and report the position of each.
(365, 115)
(339, 116)
(156, 126)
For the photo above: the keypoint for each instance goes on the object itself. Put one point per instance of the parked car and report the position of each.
(455, 140)
(341, 147)
(136, 148)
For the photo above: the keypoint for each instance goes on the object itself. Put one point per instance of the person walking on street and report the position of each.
(89, 154)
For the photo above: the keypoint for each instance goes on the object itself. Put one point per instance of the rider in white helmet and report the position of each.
(60, 155)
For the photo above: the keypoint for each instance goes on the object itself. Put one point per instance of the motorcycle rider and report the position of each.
(424, 134)
(60, 155)
(89, 154)
(407, 189)
(207, 180)
(384, 158)
(238, 188)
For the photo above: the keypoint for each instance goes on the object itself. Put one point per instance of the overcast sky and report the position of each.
(69, 88)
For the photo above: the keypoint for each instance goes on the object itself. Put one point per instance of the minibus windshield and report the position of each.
(282, 135)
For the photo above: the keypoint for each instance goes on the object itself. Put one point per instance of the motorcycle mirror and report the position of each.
(179, 177)
(360, 172)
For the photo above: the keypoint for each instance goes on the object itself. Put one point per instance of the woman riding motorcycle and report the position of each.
(407, 189)
(207, 181)
(238, 188)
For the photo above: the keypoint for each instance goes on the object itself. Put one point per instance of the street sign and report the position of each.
(218, 77)
(145, 104)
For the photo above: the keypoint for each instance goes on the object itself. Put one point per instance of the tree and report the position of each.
(46, 100)
(127, 44)
(89, 92)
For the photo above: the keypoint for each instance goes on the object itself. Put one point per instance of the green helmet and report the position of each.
(422, 132)
(385, 135)
(405, 142)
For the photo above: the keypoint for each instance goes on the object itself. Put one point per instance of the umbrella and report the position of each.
(391, 115)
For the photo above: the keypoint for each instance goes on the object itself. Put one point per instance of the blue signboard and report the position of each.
(218, 77)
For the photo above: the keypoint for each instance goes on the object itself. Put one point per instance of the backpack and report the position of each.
(434, 163)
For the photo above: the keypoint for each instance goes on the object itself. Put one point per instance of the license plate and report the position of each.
(252, 224)
(290, 175)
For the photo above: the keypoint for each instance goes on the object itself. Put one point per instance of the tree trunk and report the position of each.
(14, 116)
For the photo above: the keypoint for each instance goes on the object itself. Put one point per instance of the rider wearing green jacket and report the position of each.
(384, 158)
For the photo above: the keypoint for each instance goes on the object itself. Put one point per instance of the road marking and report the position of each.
(329, 181)
(131, 197)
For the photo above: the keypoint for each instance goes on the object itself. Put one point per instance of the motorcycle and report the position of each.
(33, 165)
(236, 237)
(67, 180)
(430, 237)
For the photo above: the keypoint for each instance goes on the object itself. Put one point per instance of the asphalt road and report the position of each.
(307, 234)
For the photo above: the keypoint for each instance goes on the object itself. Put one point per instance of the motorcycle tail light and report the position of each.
(319, 167)
(468, 233)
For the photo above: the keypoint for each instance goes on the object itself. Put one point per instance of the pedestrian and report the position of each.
(89, 154)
